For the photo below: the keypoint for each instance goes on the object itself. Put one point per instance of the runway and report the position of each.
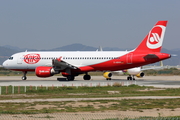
(156, 81)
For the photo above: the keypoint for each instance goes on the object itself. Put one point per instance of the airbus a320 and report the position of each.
(72, 64)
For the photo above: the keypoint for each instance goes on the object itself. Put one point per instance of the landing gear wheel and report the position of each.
(108, 78)
(129, 78)
(70, 78)
(86, 77)
(24, 77)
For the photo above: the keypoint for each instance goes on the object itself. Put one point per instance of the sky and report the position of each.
(47, 24)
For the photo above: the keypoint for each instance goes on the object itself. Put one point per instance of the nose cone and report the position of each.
(5, 64)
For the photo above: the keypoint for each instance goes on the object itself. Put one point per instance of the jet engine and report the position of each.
(140, 75)
(107, 75)
(136, 71)
(44, 71)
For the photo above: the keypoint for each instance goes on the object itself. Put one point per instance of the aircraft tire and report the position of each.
(86, 77)
(70, 78)
(24, 77)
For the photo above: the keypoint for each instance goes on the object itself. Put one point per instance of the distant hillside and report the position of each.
(75, 47)
(174, 60)
(6, 51)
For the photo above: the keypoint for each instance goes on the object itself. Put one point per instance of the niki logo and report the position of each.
(31, 58)
(155, 37)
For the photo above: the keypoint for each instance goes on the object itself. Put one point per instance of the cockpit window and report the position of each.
(11, 58)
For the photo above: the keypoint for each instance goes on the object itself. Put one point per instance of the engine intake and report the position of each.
(140, 75)
(107, 75)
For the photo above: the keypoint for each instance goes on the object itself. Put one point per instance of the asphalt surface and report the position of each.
(156, 81)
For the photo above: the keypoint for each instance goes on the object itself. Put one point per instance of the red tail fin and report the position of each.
(153, 41)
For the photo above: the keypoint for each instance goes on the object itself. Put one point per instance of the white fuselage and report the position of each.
(78, 59)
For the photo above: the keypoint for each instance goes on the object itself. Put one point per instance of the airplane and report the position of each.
(73, 63)
(132, 72)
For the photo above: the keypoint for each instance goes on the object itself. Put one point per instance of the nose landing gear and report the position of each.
(24, 75)
(130, 77)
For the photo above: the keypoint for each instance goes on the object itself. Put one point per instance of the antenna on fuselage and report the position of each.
(99, 49)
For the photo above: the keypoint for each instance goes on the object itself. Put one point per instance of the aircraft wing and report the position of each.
(61, 65)
(159, 67)
(152, 68)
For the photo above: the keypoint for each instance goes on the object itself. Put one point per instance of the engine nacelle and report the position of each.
(140, 75)
(134, 71)
(65, 74)
(107, 75)
(44, 71)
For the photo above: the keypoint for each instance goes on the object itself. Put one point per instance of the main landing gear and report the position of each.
(24, 75)
(108, 78)
(70, 77)
(130, 77)
(86, 77)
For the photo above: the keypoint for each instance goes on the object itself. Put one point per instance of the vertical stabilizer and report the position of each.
(154, 39)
